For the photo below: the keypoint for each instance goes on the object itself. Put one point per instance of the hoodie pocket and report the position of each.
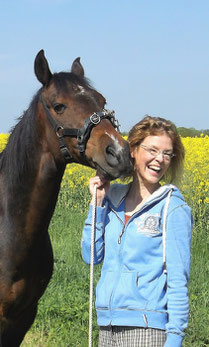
(104, 289)
(127, 294)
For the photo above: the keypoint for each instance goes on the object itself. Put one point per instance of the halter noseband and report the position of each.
(82, 135)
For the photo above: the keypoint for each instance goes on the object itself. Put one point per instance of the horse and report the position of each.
(66, 122)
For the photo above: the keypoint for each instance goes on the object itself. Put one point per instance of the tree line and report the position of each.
(186, 132)
(192, 132)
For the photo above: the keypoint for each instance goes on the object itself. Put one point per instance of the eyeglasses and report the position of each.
(155, 152)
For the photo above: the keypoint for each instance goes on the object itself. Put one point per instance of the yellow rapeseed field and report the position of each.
(196, 169)
(3, 141)
(194, 185)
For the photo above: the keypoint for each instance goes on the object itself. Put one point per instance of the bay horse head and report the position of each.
(83, 131)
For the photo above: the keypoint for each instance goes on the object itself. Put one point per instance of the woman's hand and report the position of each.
(102, 188)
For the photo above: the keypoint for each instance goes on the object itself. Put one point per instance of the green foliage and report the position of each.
(192, 132)
(123, 133)
(186, 132)
(62, 319)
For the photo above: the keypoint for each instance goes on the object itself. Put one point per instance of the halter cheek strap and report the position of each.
(82, 135)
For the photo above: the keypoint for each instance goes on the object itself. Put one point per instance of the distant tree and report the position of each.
(124, 133)
(205, 132)
(184, 132)
(191, 132)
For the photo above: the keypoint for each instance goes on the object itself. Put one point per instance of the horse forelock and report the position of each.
(75, 86)
(61, 78)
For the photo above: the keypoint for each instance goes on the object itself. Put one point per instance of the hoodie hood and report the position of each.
(118, 192)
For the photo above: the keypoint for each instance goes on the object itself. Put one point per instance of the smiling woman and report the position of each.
(151, 126)
(143, 232)
(152, 158)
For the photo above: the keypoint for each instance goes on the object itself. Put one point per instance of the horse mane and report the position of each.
(18, 157)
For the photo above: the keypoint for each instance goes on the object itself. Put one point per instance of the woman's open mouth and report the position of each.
(154, 168)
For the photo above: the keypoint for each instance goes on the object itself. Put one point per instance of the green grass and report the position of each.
(197, 333)
(62, 318)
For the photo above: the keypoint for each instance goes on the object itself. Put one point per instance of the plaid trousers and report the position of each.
(124, 336)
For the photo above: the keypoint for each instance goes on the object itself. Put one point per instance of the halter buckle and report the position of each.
(57, 131)
(95, 118)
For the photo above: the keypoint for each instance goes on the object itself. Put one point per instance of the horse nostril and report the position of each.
(110, 150)
(112, 156)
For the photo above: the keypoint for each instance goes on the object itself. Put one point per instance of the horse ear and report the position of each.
(77, 68)
(41, 68)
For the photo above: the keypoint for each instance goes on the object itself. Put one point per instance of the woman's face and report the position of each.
(152, 158)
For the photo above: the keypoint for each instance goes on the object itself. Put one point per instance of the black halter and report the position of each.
(82, 135)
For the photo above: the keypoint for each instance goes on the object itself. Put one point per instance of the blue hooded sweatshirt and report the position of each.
(146, 262)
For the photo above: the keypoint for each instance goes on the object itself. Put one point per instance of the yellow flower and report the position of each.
(3, 141)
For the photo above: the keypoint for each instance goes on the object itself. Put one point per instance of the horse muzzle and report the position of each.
(116, 161)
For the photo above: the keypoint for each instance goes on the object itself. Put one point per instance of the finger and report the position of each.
(99, 181)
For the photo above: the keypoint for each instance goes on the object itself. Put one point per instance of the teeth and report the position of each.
(153, 167)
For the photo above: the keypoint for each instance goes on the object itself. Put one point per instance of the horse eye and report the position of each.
(59, 108)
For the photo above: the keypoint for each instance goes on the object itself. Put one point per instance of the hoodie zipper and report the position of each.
(140, 210)
(121, 234)
(123, 228)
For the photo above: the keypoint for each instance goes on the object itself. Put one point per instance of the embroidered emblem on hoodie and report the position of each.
(148, 224)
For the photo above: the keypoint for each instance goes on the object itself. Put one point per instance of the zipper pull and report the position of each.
(121, 234)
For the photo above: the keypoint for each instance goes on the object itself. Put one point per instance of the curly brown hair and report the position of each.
(155, 126)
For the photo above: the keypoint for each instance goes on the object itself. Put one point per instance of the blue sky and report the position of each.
(144, 56)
